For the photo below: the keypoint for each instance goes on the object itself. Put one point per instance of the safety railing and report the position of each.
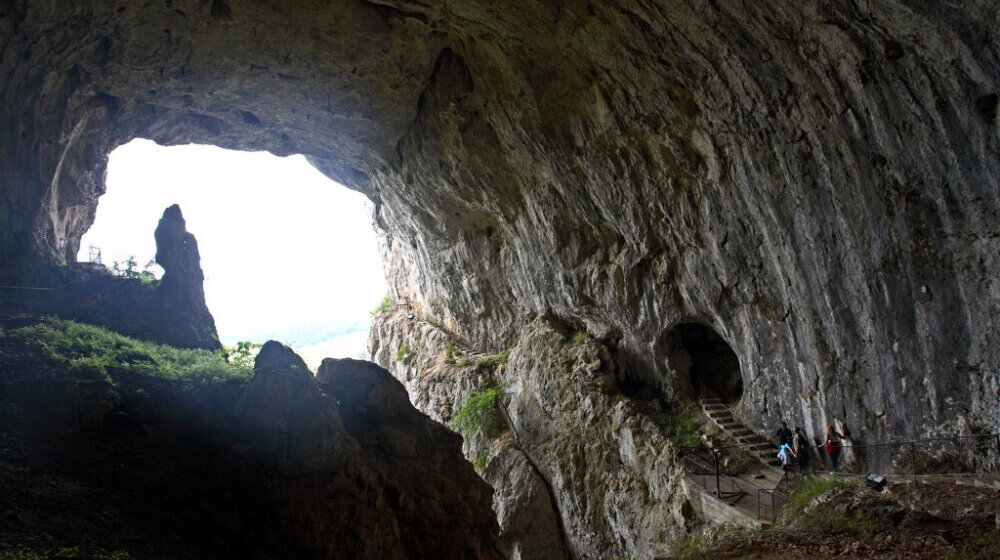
(705, 467)
(978, 454)
(957, 455)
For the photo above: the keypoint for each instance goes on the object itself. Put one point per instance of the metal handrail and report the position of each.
(769, 500)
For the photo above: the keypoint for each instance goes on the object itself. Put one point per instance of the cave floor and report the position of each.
(939, 520)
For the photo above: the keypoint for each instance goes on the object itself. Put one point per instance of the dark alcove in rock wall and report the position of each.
(705, 363)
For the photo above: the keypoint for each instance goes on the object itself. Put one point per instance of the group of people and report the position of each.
(793, 445)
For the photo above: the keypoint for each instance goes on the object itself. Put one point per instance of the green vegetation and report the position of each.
(90, 349)
(480, 410)
(129, 269)
(806, 490)
(404, 354)
(449, 354)
(481, 460)
(697, 542)
(383, 306)
(579, 337)
(464, 361)
(680, 428)
(491, 361)
(243, 354)
(687, 548)
(737, 460)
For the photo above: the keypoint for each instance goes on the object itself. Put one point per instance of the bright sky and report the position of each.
(287, 253)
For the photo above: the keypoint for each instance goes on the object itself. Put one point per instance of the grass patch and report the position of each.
(481, 460)
(806, 490)
(464, 361)
(404, 354)
(863, 521)
(579, 337)
(688, 548)
(90, 349)
(480, 410)
(493, 360)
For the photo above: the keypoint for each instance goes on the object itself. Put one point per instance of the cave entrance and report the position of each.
(706, 363)
(287, 253)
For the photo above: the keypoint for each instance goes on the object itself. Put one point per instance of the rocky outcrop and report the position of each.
(579, 472)
(280, 466)
(170, 311)
(184, 316)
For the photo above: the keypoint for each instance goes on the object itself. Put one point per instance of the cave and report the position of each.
(713, 369)
(553, 184)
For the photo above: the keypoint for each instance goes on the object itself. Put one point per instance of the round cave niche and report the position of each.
(706, 363)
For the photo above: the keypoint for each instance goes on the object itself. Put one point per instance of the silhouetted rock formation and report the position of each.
(186, 320)
(263, 469)
(171, 311)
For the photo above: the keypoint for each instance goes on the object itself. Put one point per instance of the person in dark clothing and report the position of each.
(801, 450)
(784, 434)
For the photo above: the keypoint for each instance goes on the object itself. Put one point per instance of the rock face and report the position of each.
(169, 311)
(272, 468)
(817, 182)
(579, 472)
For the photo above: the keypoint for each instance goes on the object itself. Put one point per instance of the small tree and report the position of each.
(243, 354)
(383, 306)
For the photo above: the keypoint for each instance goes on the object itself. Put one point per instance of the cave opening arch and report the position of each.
(703, 363)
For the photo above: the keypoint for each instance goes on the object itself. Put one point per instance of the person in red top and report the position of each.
(832, 445)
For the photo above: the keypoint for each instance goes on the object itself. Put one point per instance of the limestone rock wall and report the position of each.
(577, 471)
(817, 181)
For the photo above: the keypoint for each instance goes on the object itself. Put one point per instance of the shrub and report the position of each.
(681, 429)
(383, 306)
(480, 410)
(95, 350)
(449, 354)
(464, 361)
(243, 354)
(737, 461)
(404, 354)
(579, 337)
(129, 269)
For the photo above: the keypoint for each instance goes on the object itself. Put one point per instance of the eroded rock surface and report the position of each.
(263, 469)
(579, 473)
(815, 181)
